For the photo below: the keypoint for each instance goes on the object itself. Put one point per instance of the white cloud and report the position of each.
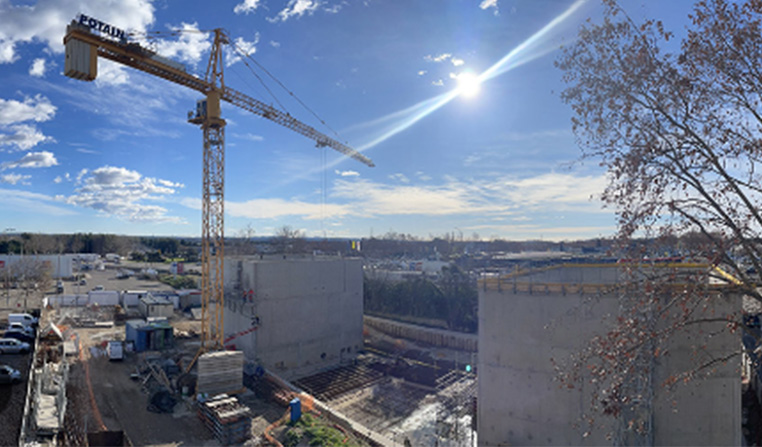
(42, 159)
(111, 73)
(36, 109)
(123, 193)
(250, 137)
(296, 8)
(334, 8)
(275, 208)
(457, 62)
(374, 199)
(400, 178)
(486, 4)
(552, 188)
(22, 137)
(495, 196)
(492, 199)
(14, 179)
(421, 72)
(45, 21)
(439, 58)
(241, 48)
(438, 83)
(30, 202)
(170, 184)
(189, 46)
(246, 6)
(82, 173)
(37, 68)
(109, 176)
(58, 179)
(347, 173)
(274, 44)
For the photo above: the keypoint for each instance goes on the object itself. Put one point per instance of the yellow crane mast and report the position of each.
(88, 38)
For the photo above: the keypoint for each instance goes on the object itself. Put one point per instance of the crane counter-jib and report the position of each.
(83, 47)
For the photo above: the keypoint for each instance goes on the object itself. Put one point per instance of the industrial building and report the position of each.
(529, 318)
(13, 267)
(295, 315)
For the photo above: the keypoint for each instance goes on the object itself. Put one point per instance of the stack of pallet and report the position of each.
(228, 419)
(220, 372)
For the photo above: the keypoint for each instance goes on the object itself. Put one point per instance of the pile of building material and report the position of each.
(220, 372)
(228, 419)
(49, 398)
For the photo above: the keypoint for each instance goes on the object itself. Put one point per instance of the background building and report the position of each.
(55, 266)
(297, 315)
(528, 319)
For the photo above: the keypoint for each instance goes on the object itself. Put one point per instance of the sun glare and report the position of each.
(468, 85)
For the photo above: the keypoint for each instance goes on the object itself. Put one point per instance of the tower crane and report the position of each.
(87, 39)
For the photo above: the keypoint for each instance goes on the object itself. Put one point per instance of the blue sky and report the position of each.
(117, 155)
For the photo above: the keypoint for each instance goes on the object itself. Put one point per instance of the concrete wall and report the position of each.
(520, 403)
(307, 312)
(435, 337)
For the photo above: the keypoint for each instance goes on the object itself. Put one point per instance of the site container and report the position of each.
(148, 336)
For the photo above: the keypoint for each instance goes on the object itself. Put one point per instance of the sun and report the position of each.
(469, 85)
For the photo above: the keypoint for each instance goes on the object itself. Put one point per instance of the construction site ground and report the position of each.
(385, 392)
(119, 402)
(404, 391)
(394, 389)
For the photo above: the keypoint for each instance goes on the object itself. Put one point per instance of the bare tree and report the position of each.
(680, 135)
(246, 245)
(288, 240)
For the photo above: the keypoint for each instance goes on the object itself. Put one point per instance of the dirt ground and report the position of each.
(122, 402)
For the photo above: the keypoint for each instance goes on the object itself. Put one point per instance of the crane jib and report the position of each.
(102, 27)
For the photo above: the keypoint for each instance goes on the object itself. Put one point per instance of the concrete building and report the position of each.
(527, 319)
(297, 315)
(131, 298)
(155, 306)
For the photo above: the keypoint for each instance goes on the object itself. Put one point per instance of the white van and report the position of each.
(25, 319)
(115, 350)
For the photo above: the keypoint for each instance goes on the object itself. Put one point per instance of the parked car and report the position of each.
(13, 346)
(60, 286)
(19, 335)
(83, 282)
(29, 330)
(98, 288)
(9, 375)
(25, 319)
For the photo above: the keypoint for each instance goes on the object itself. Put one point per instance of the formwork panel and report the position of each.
(220, 372)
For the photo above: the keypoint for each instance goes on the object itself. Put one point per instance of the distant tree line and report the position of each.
(452, 299)
(35, 243)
